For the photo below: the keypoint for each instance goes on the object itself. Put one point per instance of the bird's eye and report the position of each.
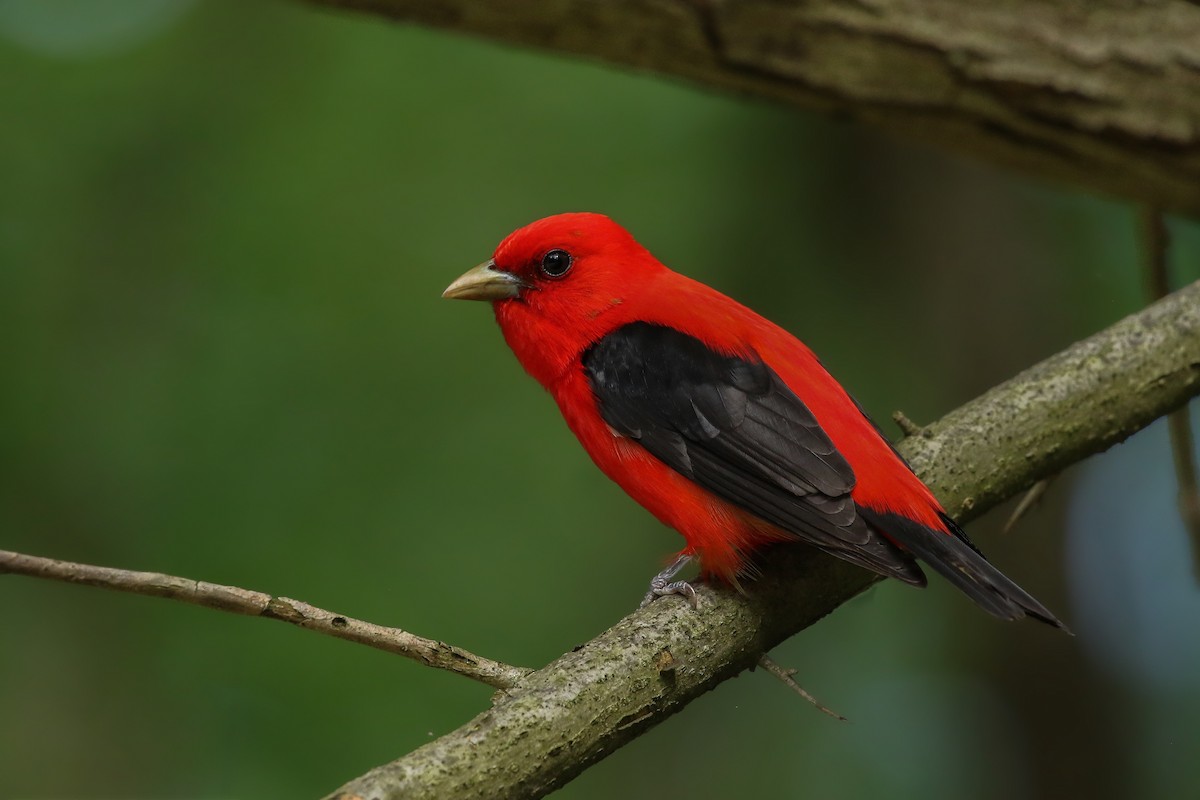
(556, 263)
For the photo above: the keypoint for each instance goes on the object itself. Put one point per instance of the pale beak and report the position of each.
(485, 282)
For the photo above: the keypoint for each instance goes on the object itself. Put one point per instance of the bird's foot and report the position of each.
(663, 585)
(674, 587)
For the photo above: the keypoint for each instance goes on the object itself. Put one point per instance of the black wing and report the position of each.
(731, 425)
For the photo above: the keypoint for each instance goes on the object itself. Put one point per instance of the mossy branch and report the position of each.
(575, 711)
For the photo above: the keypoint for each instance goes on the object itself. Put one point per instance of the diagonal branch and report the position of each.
(575, 711)
(259, 604)
(1103, 95)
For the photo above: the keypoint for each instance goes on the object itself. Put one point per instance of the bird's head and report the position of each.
(559, 284)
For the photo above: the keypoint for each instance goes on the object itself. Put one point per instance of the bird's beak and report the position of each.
(485, 282)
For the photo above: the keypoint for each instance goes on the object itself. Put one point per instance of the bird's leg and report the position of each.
(662, 585)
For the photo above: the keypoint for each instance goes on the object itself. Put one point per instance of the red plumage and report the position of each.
(693, 461)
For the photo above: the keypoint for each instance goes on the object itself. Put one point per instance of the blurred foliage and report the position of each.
(224, 228)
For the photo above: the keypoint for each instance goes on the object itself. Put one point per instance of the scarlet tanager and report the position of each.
(719, 422)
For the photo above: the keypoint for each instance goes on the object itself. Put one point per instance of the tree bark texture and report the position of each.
(1102, 94)
(575, 711)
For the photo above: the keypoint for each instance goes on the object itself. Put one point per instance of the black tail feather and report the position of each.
(958, 560)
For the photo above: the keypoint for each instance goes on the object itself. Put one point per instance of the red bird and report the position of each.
(719, 422)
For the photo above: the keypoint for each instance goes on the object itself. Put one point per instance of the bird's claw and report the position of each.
(662, 589)
(662, 585)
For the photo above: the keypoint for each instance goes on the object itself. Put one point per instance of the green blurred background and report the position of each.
(224, 228)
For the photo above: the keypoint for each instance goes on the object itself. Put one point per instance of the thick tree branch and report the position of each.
(1103, 94)
(575, 711)
(259, 604)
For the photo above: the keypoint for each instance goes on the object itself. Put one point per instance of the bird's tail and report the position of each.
(961, 563)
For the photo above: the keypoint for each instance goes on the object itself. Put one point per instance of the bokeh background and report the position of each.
(224, 228)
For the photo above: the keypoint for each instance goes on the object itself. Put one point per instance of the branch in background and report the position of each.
(575, 711)
(1179, 423)
(258, 604)
(1108, 100)
(1183, 446)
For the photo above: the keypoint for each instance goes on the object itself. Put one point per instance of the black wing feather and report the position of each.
(961, 563)
(735, 428)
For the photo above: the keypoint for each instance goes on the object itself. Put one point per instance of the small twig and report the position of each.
(1028, 501)
(907, 426)
(260, 604)
(784, 674)
(1179, 423)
